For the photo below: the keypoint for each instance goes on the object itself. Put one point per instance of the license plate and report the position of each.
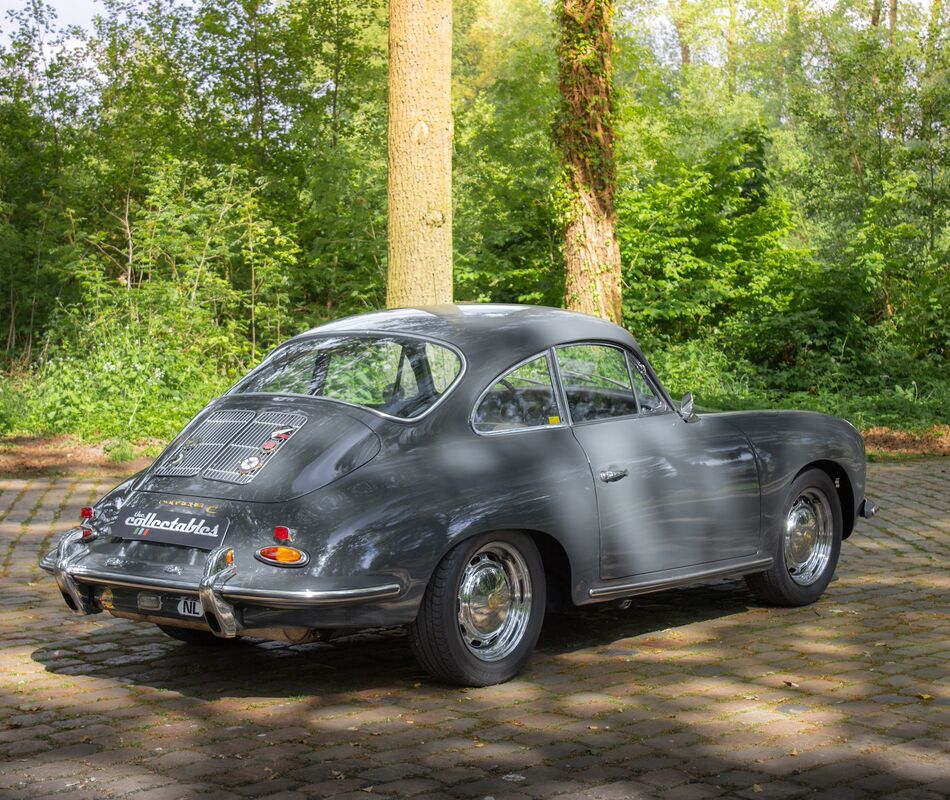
(188, 524)
(190, 607)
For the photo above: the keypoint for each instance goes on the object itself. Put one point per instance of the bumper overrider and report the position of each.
(867, 509)
(225, 602)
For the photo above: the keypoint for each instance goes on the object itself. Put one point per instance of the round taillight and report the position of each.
(282, 556)
(282, 534)
(86, 512)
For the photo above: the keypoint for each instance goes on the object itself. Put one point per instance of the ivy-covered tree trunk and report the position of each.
(420, 152)
(585, 137)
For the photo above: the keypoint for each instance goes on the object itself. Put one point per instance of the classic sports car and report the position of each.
(459, 470)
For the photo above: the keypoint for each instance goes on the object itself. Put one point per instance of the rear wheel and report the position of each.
(482, 611)
(808, 545)
(194, 637)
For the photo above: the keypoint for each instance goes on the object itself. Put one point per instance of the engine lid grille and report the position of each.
(244, 458)
(233, 445)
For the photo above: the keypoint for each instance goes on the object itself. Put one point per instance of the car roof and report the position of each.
(486, 331)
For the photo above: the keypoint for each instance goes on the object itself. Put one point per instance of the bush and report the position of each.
(127, 386)
(13, 402)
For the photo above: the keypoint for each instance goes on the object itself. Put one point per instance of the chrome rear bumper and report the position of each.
(215, 591)
(867, 509)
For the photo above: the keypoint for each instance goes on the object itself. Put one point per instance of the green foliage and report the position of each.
(136, 382)
(12, 401)
(707, 245)
(188, 183)
(506, 234)
(118, 451)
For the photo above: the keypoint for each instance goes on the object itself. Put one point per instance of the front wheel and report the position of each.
(808, 545)
(482, 611)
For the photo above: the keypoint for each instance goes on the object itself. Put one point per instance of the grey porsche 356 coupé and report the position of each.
(458, 470)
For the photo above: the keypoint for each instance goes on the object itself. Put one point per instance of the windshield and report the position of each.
(397, 376)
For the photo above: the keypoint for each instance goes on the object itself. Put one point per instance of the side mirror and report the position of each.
(686, 408)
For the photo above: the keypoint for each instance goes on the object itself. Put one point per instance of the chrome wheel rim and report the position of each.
(494, 601)
(809, 535)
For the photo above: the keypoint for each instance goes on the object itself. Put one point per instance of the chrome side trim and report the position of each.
(218, 612)
(309, 598)
(659, 584)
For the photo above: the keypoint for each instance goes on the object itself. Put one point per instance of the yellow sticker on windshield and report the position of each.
(554, 420)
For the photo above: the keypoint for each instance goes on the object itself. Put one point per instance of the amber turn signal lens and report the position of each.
(283, 556)
(229, 557)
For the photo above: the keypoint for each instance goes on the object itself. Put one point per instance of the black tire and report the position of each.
(436, 635)
(776, 586)
(195, 637)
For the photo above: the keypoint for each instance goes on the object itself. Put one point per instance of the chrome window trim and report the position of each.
(654, 383)
(548, 351)
(367, 334)
(651, 378)
(594, 343)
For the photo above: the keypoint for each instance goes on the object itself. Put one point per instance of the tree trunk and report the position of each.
(875, 13)
(585, 137)
(892, 20)
(420, 152)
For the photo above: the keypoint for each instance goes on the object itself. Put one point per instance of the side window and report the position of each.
(522, 398)
(596, 381)
(443, 364)
(647, 396)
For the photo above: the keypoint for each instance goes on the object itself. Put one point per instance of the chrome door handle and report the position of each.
(611, 475)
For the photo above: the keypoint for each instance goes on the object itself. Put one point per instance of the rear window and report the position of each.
(396, 376)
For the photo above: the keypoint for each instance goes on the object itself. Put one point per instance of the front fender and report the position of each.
(787, 442)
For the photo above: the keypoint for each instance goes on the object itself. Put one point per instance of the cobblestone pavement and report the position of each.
(687, 694)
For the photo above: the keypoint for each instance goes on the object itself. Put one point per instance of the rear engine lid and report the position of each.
(263, 449)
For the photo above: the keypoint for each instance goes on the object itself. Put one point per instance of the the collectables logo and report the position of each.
(144, 523)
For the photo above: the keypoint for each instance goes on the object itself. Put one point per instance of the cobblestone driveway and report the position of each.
(687, 694)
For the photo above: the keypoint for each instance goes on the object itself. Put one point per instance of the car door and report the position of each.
(670, 494)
